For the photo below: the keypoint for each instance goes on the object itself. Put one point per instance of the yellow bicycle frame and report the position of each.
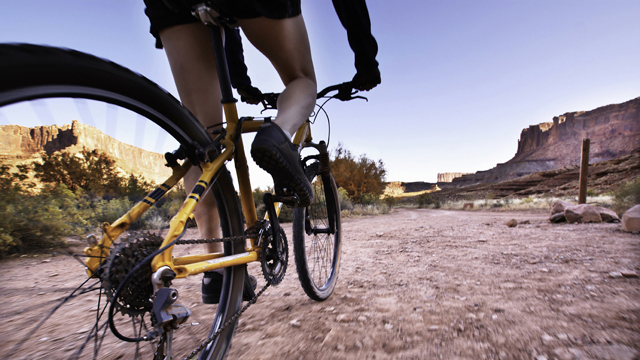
(195, 264)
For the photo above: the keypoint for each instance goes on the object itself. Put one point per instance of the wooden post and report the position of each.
(584, 172)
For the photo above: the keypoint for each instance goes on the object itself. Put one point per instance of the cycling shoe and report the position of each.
(273, 151)
(212, 287)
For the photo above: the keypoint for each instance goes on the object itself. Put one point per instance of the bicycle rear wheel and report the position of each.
(52, 80)
(317, 237)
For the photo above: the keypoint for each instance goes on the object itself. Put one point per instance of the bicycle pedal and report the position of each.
(292, 201)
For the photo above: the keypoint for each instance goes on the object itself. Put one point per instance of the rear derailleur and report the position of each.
(166, 315)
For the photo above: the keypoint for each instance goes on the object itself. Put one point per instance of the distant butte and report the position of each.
(614, 131)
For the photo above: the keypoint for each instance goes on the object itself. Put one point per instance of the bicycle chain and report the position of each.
(212, 240)
(250, 232)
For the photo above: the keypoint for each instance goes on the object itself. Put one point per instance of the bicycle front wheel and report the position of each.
(317, 237)
(60, 85)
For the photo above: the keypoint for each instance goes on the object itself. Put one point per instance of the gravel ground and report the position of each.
(414, 284)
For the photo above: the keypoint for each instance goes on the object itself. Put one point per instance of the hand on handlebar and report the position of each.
(250, 94)
(345, 92)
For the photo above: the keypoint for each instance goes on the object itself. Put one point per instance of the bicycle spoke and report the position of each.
(320, 245)
(72, 85)
(73, 294)
(137, 334)
(94, 332)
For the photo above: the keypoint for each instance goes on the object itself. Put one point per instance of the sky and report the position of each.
(460, 79)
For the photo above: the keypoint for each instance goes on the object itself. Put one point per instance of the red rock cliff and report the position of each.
(19, 143)
(614, 131)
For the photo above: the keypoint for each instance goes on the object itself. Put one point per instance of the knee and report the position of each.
(306, 76)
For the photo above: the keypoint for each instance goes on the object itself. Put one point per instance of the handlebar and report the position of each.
(345, 91)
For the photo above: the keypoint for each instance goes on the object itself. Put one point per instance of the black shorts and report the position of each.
(161, 17)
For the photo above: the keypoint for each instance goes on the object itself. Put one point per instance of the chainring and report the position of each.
(134, 297)
(275, 257)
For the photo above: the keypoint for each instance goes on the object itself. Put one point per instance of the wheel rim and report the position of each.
(19, 102)
(320, 248)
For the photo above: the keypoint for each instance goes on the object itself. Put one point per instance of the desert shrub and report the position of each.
(111, 210)
(369, 199)
(360, 176)
(424, 200)
(156, 221)
(135, 187)
(7, 243)
(390, 201)
(345, 201)
(35, 221)
(370, 209)
(591, 193)
(156, 217)
(626, 196)
(286, 213)
(372, 205)
(31, 220)
(167, 207)
(528, 200)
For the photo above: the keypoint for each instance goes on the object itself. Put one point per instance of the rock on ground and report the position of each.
(559, 206)
(557, 218)
(582, 213)
(631, 219)
(607, 215)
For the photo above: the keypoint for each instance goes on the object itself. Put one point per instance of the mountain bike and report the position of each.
(137, 275)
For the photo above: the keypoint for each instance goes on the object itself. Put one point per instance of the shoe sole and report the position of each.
(248, 291)
(284, 175)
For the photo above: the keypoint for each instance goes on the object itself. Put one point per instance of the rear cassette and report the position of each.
(134, 297)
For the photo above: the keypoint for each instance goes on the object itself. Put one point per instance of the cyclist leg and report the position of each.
(285, 43)
(193, 65)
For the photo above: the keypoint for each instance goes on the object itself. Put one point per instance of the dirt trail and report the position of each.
(415, 284)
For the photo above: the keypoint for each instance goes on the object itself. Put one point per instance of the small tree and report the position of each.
(136, 187)
(92, 171)
(358, 176)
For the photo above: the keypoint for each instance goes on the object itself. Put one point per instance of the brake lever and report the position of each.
(269, 101)
(346, 92)
(267, 106)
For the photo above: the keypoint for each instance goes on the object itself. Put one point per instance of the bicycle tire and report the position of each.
(317, 255)
(31, 72)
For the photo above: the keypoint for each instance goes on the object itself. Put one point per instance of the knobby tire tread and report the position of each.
(25, 66)
(300, 239)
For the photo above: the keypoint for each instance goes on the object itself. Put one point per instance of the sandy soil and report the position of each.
(415, 284)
